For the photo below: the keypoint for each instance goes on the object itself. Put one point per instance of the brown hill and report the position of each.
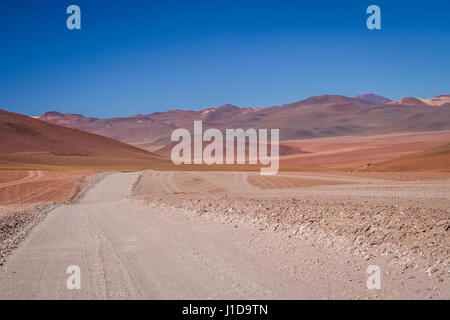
(370, 97)
(436, 159)
(316, 117)
(24, 140)
(436, 101)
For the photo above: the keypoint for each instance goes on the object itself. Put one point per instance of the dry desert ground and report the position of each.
(140, 227)
(202, 235)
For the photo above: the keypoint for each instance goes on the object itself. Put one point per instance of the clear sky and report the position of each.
(144, 56)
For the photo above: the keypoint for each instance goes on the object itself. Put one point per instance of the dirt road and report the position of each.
(128, 250)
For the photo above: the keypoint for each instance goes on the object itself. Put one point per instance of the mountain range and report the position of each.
(315, 117)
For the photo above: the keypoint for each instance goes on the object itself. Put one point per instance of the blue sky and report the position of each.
(145, 56)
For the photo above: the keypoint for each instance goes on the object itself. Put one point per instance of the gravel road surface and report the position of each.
(128, 250)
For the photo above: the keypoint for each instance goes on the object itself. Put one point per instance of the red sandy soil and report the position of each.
(436, 159)
(30, 186)
(288, 182)
(396, 175)
(358, 151)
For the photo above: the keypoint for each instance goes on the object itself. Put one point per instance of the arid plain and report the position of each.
(339, 204)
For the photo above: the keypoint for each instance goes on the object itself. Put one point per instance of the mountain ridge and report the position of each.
(317, 116)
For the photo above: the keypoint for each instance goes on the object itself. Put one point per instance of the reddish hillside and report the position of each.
(436, 159)
(316, 117)
(370, 97)
(24, 139)
(24, 134)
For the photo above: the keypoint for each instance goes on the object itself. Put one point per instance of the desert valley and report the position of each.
(363, 181)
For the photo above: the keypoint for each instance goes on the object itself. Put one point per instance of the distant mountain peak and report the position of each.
(435, 102)
(318, 116)
(227, 107)
(370, 97)
(410, 101)
(51, 114)
(58, 115)
(327, 98)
